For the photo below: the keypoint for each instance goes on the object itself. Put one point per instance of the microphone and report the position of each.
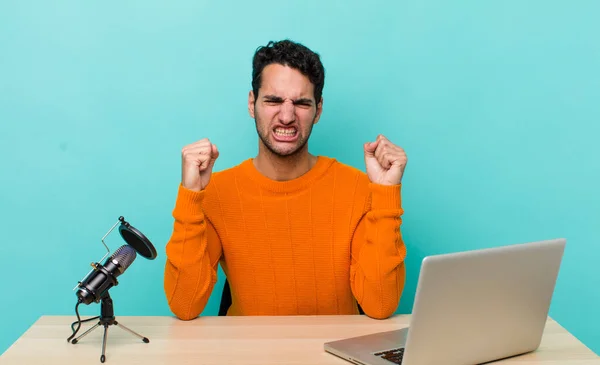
(104, 277)
(96, 284)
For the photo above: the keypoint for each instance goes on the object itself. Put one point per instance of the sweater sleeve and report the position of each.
(378, 251)
(193, 253)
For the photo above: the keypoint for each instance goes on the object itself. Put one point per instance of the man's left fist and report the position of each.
(385, 162)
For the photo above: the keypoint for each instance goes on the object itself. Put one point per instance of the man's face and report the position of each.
(284, 110)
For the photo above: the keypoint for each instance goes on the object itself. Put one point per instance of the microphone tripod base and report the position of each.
(107, 319)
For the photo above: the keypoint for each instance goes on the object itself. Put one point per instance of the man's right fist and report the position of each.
(197, 161)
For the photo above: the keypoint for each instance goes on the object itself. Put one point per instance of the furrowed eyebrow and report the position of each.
(303, 101)
(273, 98)
(277, 99)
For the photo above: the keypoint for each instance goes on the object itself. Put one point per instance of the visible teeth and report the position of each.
(285, 131)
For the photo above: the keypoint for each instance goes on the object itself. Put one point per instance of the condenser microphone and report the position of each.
(96, 284)
(104, 277)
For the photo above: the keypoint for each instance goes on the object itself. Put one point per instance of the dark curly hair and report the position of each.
(291, 54)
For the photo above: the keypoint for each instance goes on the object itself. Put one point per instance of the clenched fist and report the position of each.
(385, 162)
(197, 161)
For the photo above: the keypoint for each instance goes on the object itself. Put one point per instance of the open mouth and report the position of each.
(285, 134)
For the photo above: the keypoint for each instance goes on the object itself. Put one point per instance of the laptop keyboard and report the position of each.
(394, 355)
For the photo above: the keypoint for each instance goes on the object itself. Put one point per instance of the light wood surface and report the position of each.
(239, 340)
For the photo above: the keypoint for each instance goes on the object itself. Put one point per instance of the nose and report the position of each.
(287, 113)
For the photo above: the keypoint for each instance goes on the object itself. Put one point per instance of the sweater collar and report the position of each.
(317, 171)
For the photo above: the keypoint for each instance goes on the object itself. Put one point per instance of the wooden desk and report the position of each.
(238, 340)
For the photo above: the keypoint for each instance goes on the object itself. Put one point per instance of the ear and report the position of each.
(319, 111)
(251, 101)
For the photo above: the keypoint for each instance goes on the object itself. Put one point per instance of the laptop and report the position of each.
(470, 307)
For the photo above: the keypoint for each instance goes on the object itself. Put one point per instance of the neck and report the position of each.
(283, 168)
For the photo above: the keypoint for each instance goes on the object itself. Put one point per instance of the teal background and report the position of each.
(497, 104)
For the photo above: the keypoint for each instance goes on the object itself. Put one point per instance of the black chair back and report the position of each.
(225, 299)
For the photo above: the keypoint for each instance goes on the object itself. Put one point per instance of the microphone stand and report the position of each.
(107, 318)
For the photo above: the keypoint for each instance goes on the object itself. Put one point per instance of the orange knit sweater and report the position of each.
(313, 245)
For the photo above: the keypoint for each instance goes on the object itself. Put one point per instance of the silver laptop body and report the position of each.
(470, 307)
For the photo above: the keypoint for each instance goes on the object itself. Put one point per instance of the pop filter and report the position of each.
(137, 240)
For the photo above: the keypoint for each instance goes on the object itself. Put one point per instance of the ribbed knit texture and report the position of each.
(313, 245)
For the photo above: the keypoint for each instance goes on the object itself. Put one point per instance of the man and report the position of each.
(296, 234)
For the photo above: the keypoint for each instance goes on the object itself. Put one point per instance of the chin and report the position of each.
(285, 152)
